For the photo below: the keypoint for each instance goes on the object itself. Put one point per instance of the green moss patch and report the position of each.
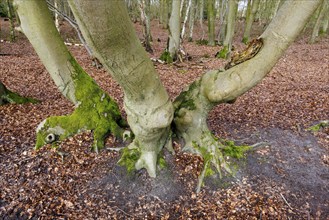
(96, 112)
(166, 57)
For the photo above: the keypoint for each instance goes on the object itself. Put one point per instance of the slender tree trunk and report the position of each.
(250, 20)
(149, 109)
(216, 87)
(222, 22)
(324, 27)
(185, 18)
(95, 110)
(56, 15)
(211, 22)
(231, 17)
(192, 20)
(174, 32)
(144, 7)
(316, 28)
(165, 13)
(201, 5)
(11, 15)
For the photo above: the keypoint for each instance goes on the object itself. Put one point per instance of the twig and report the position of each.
(117, 149)
(286, 201)
(72, 23)
(259, 144)
(125, 212)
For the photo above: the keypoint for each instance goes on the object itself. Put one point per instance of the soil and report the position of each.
(286, 178)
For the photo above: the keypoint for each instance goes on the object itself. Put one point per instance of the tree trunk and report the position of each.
(144, 7)
(222, 22)
(185, 18)
(316, 28)
(231, 16)
(56, 15)
(216, 87)
(211, 22)
(250, 19)
(149, 109)
(164, 13)
(7, 96)
(95, 110)
(174, 30)
(324, 27)
(192, 20)
(201, 5)
(11, 15)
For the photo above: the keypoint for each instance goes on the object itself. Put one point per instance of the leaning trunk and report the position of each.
(95, 110)
(216, 87)
(149, 109)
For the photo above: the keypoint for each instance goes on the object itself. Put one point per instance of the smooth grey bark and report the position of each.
(94, 109)
(222, 22)
(192, 19)
(107, 29)
(324, 27)
(211, 22)
(250, 20)
(230, 27)
(144, 7)
(174, 30)
(201, 6)
(317, 25)
(187, 13)
(216, 87)
(11, 15)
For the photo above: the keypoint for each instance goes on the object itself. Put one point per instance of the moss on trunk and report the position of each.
(96, 111)
(7, 96)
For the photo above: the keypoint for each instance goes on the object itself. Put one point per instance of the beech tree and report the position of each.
(172, 51)
(230, 27)
(151, 115)
(251, 11)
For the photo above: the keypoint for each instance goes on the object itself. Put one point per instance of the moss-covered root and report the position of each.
(7, 96)
(216, 155)
(319, 126)
(101, 117)
(149, 149)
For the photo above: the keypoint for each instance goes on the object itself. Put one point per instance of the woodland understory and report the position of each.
(286, 179)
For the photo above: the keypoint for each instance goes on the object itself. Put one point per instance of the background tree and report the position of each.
(144, 7)
(211, 22)
(230, 27)
(172, 51)
(317, 25)
(192, 19)
(251, 11)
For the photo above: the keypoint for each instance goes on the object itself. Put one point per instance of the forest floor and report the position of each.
(286, 179)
